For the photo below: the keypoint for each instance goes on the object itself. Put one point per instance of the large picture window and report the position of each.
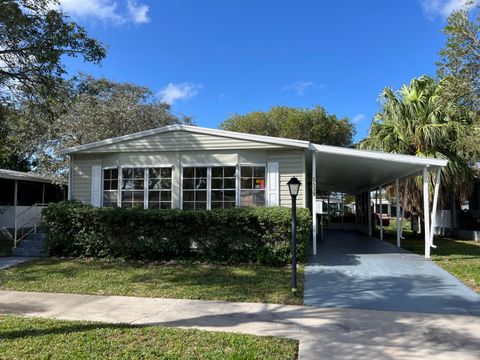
(160, 188)
(252, 186)
(134, 191)
(110, 187)
(223, 187)
(194, 185)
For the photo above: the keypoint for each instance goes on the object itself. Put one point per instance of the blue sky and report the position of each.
(212, 58)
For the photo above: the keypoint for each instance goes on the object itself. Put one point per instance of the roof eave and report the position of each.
(377, 155)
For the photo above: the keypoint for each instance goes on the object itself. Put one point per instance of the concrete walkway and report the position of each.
(352, 270)
(9, 261)
(324, 333)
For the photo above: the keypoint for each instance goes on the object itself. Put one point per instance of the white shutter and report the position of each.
(273, 184)
(96, 185)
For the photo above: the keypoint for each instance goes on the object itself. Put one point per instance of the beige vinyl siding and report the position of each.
(181, 141)
(82, 177)
(138, 159)
(291, 163)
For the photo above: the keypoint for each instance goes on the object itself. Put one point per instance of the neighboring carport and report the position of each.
(359, 172)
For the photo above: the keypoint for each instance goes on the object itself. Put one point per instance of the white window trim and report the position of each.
(128, 166)
(103, 182)
(240, 178)
(209, 181)
(209, 188)
(209, 170)
(147, 190)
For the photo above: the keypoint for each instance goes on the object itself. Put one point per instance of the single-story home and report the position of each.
(194, 168)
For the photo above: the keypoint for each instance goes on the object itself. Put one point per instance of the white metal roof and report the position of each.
(192, 129)
(353, 170)
(19, 175)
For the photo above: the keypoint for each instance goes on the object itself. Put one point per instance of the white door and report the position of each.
(273, 184)
(96, 185)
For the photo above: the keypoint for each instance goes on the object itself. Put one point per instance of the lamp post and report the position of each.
(294, 187)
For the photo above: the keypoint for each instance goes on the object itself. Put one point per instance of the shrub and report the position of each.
(241, 235)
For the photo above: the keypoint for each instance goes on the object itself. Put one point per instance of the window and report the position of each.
(7, 192)
(29, 193)
(160, 188)
(194, 185)
(223, 187)
(133, 187)
(110, 187)
(252, 186)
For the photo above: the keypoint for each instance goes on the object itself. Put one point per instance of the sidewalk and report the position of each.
(324, 333)
(9, 261)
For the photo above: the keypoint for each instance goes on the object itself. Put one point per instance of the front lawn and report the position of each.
(459, 257)
(33, 338)
(181, 280)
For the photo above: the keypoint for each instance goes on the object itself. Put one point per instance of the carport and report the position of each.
(359, 172)
(348, 269)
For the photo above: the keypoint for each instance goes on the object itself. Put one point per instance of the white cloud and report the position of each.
(300, 87)
(106, 11)
(444, 8)
(173, 92)
(358, 118)
(138, 13)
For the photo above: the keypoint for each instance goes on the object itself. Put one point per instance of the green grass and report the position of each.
(33, 338)
(459, 257)
(181, 280)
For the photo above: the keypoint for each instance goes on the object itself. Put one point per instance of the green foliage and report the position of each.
(241, 235)
(416, 121)
(459, 66)
(34, 36)
(88, 110)
(314, 125)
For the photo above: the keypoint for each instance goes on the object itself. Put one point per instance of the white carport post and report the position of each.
(380, 216)
(399, 221)
(369, 213)
(314, 202)
(434, 205)
(426, 212)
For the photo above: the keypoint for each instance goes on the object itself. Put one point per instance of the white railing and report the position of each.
(27, 221)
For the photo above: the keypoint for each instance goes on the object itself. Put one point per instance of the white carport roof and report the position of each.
(354, 171)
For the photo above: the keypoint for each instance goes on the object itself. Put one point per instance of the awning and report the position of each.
(354, 171)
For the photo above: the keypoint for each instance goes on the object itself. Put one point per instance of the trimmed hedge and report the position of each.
(240, 235)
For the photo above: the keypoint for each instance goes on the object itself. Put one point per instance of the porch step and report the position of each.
(32, 245)
(38, 237)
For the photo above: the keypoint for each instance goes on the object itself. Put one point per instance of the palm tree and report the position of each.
(415, 121)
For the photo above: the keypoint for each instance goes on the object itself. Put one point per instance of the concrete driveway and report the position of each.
(352, 270)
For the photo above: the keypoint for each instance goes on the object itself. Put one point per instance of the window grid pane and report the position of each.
(252, 186)
(160, 188)
(223, 187)
(194, 188)
(110, 187)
